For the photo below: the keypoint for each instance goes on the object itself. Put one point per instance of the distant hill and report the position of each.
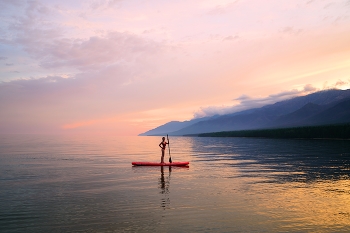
(296, 117)
(324, 107)
(172, 126)
(337, 112)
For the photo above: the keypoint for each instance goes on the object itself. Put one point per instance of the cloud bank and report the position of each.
(125, 66)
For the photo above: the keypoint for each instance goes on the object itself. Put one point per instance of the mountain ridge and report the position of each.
(298, 111)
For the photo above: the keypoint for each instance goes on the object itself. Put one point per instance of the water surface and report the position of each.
(87, 184)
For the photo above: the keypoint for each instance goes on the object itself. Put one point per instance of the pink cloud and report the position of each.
(222, 9)
(98, 4)
(49, 45)
(96, 51)
(5, 3)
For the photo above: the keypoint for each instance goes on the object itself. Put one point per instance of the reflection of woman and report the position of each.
(163, 146)
(162, 180)
(164, 186)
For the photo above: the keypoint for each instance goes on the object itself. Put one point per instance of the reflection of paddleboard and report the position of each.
(160, 164)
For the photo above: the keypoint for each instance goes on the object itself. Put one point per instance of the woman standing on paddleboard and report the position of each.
(163, 146)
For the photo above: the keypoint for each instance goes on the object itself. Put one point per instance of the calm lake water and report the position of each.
(87, 184)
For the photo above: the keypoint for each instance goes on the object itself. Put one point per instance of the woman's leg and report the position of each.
(162, 158)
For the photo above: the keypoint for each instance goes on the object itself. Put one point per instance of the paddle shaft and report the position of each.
(170, 161)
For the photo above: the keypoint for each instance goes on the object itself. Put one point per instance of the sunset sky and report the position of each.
(127, 66)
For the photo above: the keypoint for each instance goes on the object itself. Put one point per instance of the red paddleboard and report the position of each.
(160, 164)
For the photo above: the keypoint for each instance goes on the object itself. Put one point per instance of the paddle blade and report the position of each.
(170, 161)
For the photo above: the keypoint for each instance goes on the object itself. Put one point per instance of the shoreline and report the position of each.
(339, 131)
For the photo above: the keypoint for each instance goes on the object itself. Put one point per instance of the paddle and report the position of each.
(170, 161)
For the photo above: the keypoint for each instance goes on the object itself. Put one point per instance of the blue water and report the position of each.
(87, 184)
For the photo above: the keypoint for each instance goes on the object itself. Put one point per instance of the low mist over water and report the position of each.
(87, 184)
